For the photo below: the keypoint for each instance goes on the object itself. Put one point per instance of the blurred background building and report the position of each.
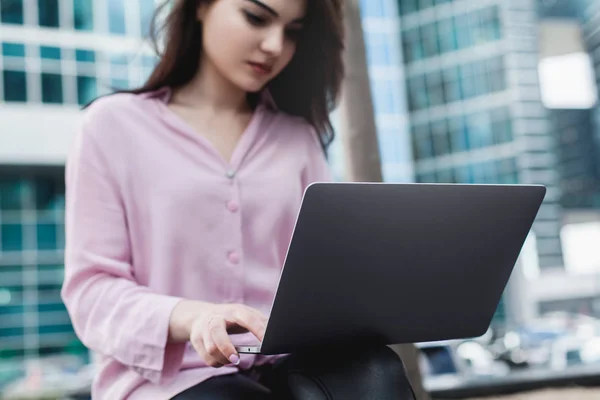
(486, 91)
(56, 55)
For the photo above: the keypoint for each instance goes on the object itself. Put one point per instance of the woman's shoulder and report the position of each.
(112, 106)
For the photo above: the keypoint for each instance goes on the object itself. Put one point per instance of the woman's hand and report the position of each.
(207, 326)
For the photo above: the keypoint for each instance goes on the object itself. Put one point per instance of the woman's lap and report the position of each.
(369, 373)
(226, 387)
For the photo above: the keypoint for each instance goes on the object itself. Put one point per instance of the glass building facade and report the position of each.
(75, 55)
(476, 114)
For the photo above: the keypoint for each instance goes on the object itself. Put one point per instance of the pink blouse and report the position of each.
(155, 214)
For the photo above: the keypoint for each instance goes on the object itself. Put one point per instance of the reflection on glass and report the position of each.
(48, 13)
(11, 11)
(52, 91)
(83, 17)
(15, 86)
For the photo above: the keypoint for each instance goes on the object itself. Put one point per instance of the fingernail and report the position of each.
(234, 359)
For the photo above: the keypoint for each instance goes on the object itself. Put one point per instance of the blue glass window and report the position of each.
(15, 86)
(116, 16)
(458, 134)
(46, 237)
(13, 50)
(12, 237)
(407, 6)
(146, 13)
(11, 11)
(52, 91)
(120, 84)
(86, 89)
(50, 52)
(447, 35)
(83, 15)
(85, 55)
(48, 13)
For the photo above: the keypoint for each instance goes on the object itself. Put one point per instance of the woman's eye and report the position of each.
(254, 19)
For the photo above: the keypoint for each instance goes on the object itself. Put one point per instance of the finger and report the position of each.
(221, 339)
(197, 342)
(216, 357)
(250, 320)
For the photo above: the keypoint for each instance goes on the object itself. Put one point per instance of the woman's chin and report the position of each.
(252, 85)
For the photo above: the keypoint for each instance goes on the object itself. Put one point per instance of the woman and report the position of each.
(181, 200)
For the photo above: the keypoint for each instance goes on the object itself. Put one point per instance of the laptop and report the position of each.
(385, 263)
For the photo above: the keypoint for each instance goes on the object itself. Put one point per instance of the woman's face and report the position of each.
(249, 42)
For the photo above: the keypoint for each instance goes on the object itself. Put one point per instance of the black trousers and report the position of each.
(345, 374)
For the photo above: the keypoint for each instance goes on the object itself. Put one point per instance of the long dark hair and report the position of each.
(308, 87)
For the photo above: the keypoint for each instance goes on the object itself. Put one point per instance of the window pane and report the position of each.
(407, 6)
(13, 50)
(451, 79)
(12, 237)
(50, 274)
(441, 145)
(120, 84)
(480, 130)
(480, 78)
(435, 88)
(468, 87)
(46, 236)
(417, 92)
(146, 13)
(447, 35)
(11, 11)
(116, 16)
(458, 134)
(10, 195)
(15, 86)
(490, 23)
(413, 48)
(83, 15)
(423, 4)
(430, 40)
(463, 31)
(48, 13)
(86, 89)
(48, 193)
(85, 55)
(52, 88)
(50, 52)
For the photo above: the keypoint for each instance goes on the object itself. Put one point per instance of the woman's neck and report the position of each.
(210, 91)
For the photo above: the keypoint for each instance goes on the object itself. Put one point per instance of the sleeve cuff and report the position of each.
(151, 355)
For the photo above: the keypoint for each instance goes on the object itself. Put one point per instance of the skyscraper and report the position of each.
(55, 56)
(476, 115)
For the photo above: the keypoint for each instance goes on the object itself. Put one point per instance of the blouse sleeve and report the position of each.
(111, 313)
